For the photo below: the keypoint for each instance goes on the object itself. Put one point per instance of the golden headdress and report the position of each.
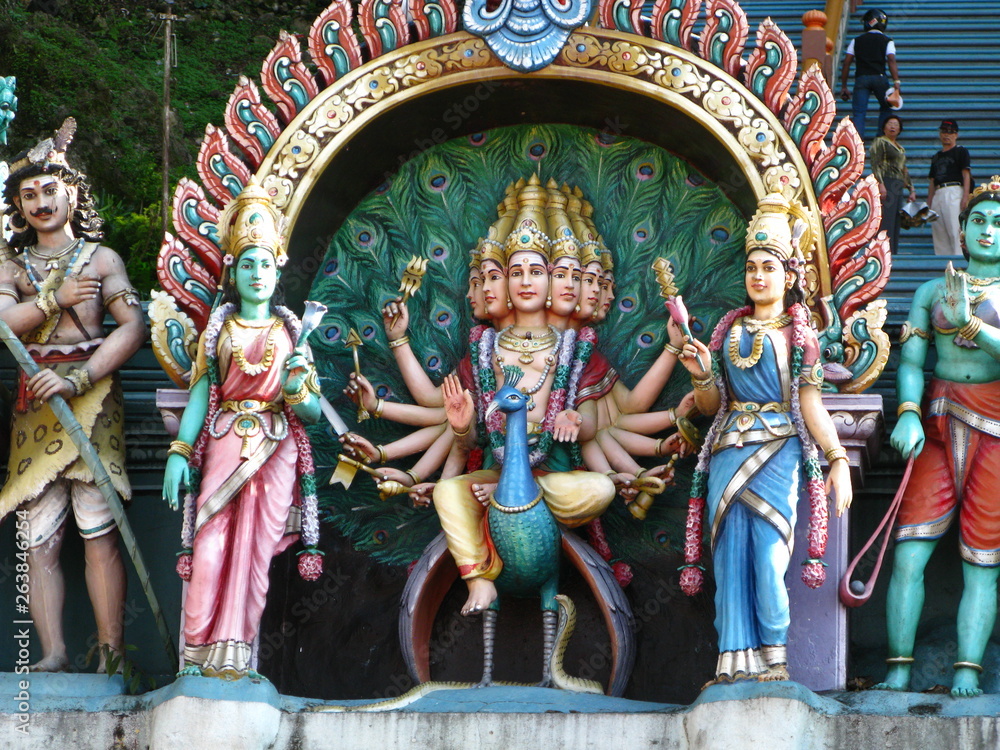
(528, 233)
(251, 220)
(781, 227)
(491, 247)
(585, 232)
(564, 241)
(990, 186)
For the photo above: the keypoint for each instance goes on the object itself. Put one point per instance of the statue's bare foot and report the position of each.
(482, 492)
(776, 673)
(897, 679)
(966, 684)
(482, 593)
(56, 663)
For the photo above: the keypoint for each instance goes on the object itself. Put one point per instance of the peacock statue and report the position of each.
(523, 529)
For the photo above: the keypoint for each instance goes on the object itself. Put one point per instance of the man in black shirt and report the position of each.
(950, 179)
(872, 50)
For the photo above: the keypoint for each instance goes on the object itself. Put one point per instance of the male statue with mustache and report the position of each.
(54, 294)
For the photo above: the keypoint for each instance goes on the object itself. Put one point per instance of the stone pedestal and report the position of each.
(817, 638)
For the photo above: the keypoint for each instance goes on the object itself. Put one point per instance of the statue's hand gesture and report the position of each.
(674, 333)
(956, 305)
(361, 392)
(457, 404)
(908, 435)
(422, 494)
(395, 318)
(358, 447)
(567, 426)
(695, 357)
(176, 473)
(76, 289)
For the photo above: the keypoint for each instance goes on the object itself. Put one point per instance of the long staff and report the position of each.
(89, 455)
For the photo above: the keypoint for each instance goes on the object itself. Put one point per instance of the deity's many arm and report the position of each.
(396, 318)
(360, 390)
(359, 447)
(429, 462)
(642, 397)
(652, 422)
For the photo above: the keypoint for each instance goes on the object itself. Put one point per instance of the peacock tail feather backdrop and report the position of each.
(647, 202)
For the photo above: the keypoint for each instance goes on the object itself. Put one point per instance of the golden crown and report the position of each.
(251, 220)
(564, 242)
(990, 186)
(780, 227)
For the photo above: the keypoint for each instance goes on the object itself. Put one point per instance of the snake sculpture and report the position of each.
(561, 680)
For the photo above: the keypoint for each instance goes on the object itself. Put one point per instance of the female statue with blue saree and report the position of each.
(763, 385)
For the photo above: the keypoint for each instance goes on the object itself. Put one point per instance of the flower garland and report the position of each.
(310, 559)
(482, 357)
(814, 573)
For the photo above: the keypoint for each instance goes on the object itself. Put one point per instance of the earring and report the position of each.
(548, 302)
(510, 305)
(577, 308)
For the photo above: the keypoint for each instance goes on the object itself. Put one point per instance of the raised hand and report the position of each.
(695, 356)
(296, 370)
(395, 319)
(956, 305)
(457, 404)
(361, 392)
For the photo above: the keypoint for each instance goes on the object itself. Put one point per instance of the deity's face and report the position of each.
(494, 290)
(766, 278)
(46, 202)
(564, 288)
(256, 275)
(606, 296)
(527, 281)
(590, 292)
(475, 294)
(982, 231)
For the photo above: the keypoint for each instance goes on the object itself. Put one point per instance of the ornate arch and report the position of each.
(776, 140)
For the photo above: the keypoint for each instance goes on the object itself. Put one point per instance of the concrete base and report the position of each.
(205, 713)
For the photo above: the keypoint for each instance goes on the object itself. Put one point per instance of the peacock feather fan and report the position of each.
(647, 203)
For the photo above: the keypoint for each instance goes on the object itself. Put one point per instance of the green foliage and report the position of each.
(648, 204)
(101, 62)
(118, 662)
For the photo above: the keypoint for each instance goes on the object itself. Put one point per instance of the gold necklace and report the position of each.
(268, 357)
(973, 281)
(757, 329)
(526, 345)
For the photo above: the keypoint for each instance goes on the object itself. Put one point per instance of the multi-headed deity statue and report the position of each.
(54, 294)
(540, 277)
(761, 377)
(951, 428)
(241, 447)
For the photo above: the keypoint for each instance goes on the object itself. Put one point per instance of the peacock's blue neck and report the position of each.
(517, 484)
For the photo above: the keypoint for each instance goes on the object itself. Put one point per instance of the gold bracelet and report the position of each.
(414, 476)
(399, 342)
(80, 379)
(312, 382)
(46, 302)
(180, 448)
(672, 413)
(672, 349)
(703, 384)
(300, 396)
(971, 329)
(658, 448)
(381, 454)
(456, 433)
(837, 453)
(379, 406)
(909, 406)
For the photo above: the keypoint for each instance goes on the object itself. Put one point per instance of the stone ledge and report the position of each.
(201, 713)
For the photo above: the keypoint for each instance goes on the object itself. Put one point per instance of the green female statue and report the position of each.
(952, 427)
